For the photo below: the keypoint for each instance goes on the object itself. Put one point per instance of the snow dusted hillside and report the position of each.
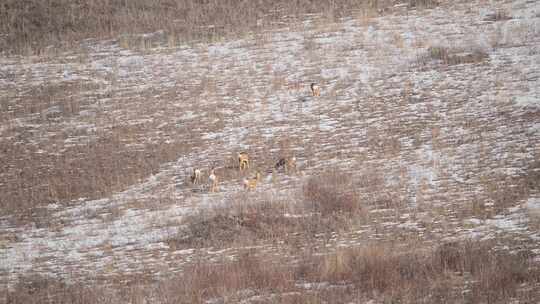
(436, 111)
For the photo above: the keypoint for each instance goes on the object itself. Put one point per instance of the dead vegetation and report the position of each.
(333, 192)
(332, 203)
(498, 15)
(93, 170)
(466, 271)
(325, 206)
(33, 26)
(454, 56)
(423, 3)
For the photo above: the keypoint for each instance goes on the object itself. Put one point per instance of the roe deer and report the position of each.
(243, 161)
(287, 163)
(213, 181)
(250, 184)
(196, 176)
(315, 89)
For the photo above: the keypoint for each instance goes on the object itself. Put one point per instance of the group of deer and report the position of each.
(196, 178)
(286, 163)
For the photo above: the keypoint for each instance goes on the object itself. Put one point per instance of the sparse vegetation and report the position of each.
(451, 56)
(326, 206)
(423, 3)
(378, 272)
(498, 15)
(415, 176)
(333, 192)
(94, 170)
(32, 26)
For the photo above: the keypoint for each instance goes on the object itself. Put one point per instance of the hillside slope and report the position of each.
(431, 118)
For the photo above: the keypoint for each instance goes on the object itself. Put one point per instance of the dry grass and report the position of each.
(47, 103)
(332, 192)
(32, 26)
(49, 159)
(385, 273)
(327, 205)
(423, 3)
(453, 56)
(95, 170)
(498, 15)
(495, 275)
(508, 191)
(35, 288)
(250, 274)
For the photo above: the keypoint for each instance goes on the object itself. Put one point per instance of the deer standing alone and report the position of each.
(315, 89)
(213, 178)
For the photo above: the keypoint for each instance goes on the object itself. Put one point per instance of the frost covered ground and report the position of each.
(439, 109)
